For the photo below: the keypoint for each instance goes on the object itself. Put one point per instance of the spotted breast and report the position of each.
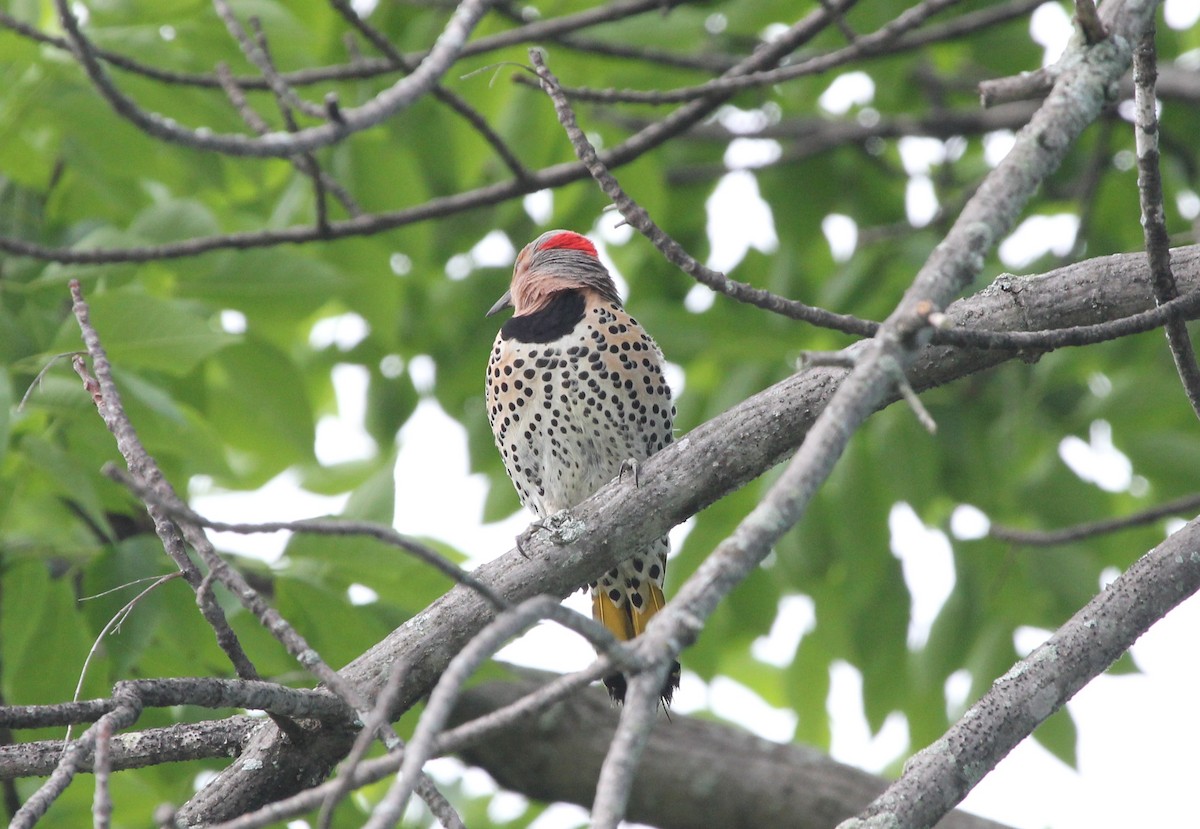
(575, 389)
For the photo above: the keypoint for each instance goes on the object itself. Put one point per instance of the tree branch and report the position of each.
(722, 775)
(149, 747)
(938, 777)
(677, 482)
(386, 104)
(1188, 504)
(1154, 220)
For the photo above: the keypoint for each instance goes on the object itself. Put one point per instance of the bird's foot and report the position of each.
(525, 536)
(630, 465)
(562, 527)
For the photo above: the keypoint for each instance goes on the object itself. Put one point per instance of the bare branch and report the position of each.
(101, 769)
(640, 220)
(731, 777)
(686, 476)
(317, 526)
(206, 692)
(733, 82)
(108, 403)
(343, 783)
(508, 624)
(627, 746)
(361, 68)
(1046, 538)
(1089, 22)
(151, 747)
(386, 104)
(1154, 221)
(1074, 103)
(256, 51)
(456, 104)
(938, 777)
(125, 712)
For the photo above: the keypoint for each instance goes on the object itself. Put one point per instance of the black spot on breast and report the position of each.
(565, 310)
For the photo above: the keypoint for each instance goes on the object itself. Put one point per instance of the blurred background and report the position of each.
(345, 377)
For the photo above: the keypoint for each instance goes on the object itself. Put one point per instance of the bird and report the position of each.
(576, 392)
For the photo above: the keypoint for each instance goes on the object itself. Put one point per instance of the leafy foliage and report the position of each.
(221, 373)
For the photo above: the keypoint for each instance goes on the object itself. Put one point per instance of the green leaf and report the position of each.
(257, 401)
(45, 637)
(139, 331)
(1059, 736)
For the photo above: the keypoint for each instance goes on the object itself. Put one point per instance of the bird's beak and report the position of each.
(502, 303)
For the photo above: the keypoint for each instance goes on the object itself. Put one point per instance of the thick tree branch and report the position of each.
(720, 774)
(147, 474)
(939, 777)
(953, 265)
(701, 467)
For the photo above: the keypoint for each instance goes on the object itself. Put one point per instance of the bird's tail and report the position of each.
(625, 622)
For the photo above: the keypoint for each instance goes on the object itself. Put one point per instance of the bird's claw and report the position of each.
(562, 528)
(630, 465)
(526, 536)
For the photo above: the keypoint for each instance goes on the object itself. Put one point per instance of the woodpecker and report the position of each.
(575, 391)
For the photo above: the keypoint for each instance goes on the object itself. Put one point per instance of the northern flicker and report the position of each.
(575, 390)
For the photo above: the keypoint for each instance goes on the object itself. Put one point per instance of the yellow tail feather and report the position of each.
(612, 617)
(655, 602)
(625, 623)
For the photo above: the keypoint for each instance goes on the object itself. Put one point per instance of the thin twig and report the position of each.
(107, 398)
(633, 732)
(510, 623)
(255, 50)
(912, 399)
(1154, 223)
(640, 220)
(37, 381)
(317, 526)
(1091, 529)
(114, 624)
(304, 163)
(285, 102)
(1089, 22)
(469, 733)
(730, 83)
(456, 103)
(101, 769)
(378, 109)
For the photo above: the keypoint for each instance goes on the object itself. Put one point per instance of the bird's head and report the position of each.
(556, 261)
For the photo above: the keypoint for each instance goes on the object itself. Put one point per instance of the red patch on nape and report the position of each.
(571, 241)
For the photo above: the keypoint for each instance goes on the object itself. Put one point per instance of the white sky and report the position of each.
(1138, 763)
